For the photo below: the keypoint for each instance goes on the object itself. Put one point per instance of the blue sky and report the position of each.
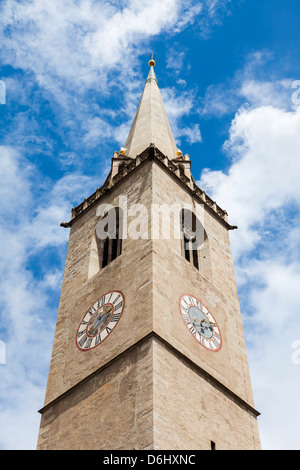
(229, 73)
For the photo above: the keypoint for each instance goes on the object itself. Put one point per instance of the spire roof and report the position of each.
(151, 124)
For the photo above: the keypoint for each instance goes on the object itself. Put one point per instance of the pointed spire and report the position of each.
(151, 124)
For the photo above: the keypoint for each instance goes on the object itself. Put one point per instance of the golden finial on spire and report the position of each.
(151, 61)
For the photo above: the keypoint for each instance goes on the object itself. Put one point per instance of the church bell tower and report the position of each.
(149, 351)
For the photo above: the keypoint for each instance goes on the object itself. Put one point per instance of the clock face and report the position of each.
(200, 322)
(100, 320)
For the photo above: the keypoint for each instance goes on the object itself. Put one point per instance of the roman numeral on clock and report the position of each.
(82, 341)
(120, 304)
(98, 339)
(115, 317)
(199, 304)
(117, 298)
(192, 330)
(101, 302)
(92, 311)
(186, 318)
(88, 343)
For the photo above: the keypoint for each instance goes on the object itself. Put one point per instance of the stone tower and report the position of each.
(149, 351)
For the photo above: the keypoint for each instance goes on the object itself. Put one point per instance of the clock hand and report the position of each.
(211, 323)
(195, 322)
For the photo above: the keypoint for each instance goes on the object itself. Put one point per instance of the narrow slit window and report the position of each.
(112, 247)
(105, 253)
(188, 227)
(195, 258)
(186, 248)
(107, 244)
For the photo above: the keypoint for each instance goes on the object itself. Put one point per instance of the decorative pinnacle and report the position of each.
(151, 61)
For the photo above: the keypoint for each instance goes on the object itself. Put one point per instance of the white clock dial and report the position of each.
(99, 321)
(200, 322)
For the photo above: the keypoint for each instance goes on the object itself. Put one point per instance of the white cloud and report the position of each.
(175, 60)
(264, 93)
(245, 88)
(192, 133)
(188, 15)
(272, 324)
(265, 145)
(75, 46)
(178, 106)
(77, 41)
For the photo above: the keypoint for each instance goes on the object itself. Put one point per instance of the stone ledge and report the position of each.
(188, 362)
(126, 166)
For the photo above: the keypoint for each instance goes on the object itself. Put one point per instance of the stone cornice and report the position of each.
(199, 370)
(179, 168)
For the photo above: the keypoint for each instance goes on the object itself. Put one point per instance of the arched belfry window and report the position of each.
(194, 240)
(107, 240)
